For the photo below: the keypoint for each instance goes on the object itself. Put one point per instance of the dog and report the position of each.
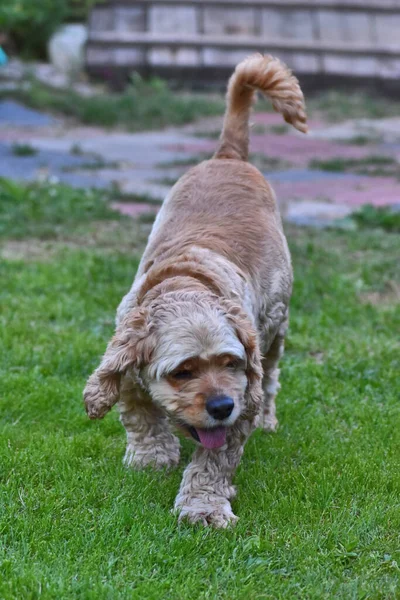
(199, 335)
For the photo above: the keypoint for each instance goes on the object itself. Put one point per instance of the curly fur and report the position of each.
(271, 77)
(210, 301)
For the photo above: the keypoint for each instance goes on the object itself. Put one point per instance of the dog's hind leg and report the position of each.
(270, 384)
(150, 441)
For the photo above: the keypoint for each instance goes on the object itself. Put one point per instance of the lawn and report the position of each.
(150, 104)
(319, 502)
(142, 105)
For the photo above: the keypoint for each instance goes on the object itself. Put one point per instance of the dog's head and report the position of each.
(198, 358)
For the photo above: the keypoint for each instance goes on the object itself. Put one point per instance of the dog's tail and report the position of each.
(273, 78)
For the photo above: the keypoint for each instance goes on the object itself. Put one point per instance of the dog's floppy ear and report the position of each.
(247, 335)
(126, 349)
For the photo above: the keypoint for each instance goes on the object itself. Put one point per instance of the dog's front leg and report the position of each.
(206, 488)
(150, 441)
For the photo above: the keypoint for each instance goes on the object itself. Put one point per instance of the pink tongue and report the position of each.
(212, 438)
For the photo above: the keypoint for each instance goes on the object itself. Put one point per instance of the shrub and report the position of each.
(30, 23)
(383, 217)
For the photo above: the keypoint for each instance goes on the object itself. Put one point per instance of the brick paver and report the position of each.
(146, 164)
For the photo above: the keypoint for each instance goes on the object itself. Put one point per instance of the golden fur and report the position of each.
(207, 313)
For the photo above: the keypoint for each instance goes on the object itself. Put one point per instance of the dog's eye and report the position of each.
(233, 364)
(184, 374)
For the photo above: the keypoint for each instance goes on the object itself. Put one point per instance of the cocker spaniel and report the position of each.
(199, 335)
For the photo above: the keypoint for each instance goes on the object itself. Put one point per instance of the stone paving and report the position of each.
(142, 166)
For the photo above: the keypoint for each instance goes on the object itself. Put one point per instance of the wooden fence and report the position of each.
(200, 40)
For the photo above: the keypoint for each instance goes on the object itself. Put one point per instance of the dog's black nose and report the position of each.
(220, 407)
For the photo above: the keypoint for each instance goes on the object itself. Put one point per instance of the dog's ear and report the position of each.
(127, 349)
(247, 336)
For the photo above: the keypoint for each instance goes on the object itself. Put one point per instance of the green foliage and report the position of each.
(318, 501)
(143, 105)
(384, 217)
(78, 10)
(30, 23)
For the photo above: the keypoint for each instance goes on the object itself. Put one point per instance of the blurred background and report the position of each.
(71, 66)
(199, 41)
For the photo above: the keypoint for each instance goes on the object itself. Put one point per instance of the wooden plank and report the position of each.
(257, 43)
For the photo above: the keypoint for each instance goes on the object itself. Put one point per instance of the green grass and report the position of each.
(268, 163)
(45, 210)
(97, 163)
(150, 104)
(364, 140)
(279, 129)
(338, 105)
(319, 502)
(23, 150)
(255, 129)
(143, 105)
(371, 217)
(185, 162)
(167, 181)
(375, 166)
(259, 160)
(258, 129)
(211, 135)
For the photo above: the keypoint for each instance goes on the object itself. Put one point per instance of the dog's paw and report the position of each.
(269, 423)
(95, 410)
(155, 456)
(216, 512)
(97, 402)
